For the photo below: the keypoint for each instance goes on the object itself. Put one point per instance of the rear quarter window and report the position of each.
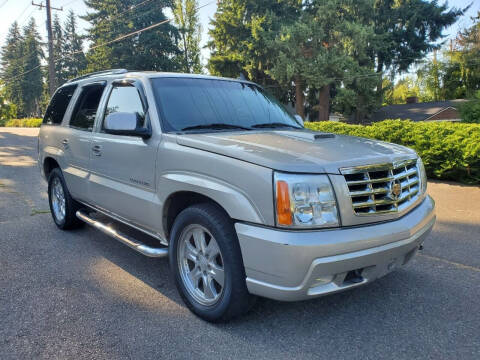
(58, 105)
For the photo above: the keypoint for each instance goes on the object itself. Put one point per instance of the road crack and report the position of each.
(459, 265)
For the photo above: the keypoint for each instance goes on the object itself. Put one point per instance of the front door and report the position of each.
(122, 179)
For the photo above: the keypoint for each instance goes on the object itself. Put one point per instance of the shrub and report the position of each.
(7, 109)
(450, 151)
(470, 111)
(27, 122)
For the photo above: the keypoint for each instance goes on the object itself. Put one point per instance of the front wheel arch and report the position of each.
(179, 201)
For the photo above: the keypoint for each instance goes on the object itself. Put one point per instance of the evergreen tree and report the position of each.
(58, 50)
(325, 50)
(351, 41)
(239, 35)
(74, 62)
(186, 17)
(456, 74)
(406, 30)
(228, 33)
(32, 80)
(12, 67)
(154, 49)
(467, 55)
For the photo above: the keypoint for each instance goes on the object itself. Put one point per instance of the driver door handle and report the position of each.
(97, 150)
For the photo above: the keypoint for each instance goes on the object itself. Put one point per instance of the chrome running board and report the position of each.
(123, 238)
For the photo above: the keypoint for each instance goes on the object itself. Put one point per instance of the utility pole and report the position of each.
(52, 81)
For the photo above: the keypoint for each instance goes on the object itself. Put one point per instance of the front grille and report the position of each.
(383, 188)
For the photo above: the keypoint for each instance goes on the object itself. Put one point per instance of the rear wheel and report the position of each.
(62, 206)
(206, 263)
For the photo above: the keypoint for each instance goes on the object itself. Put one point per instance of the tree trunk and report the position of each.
(187, 65)
(299, 97)
(380, 84)
(324, 103)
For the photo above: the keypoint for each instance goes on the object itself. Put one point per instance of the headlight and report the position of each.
(422, 174)
(304, 201)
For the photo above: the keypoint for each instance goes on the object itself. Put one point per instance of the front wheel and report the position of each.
(206, 263)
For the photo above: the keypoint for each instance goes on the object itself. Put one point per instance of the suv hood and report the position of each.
(297, 150)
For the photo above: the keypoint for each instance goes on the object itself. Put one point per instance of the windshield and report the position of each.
(213, 105)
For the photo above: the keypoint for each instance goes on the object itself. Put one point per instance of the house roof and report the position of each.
(415, 111)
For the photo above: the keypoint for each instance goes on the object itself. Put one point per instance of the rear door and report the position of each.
(122, 167)
(52, 134)
(77, 139)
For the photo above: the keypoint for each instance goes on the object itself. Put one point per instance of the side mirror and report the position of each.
(299, 119)
(125, 123)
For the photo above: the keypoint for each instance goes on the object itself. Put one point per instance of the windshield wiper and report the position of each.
(275, 125)
(215, 126)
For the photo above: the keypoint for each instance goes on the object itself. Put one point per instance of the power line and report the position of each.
(28, 17)
(116, 16)
(129, 35)
(70, 2)
(133, 7)
(23, 12)
(51, 53)
(122, 37)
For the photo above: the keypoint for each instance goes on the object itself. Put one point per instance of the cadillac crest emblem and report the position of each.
(396, 190)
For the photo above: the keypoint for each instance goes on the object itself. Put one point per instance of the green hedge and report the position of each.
(27, 122)
(450, 151)
(470, 110)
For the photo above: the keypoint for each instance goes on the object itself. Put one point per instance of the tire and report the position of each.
(230, 299)
(69, 220)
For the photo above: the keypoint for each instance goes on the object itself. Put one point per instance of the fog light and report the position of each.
(321, 281)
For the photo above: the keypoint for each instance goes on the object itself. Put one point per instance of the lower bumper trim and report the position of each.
(330, 274)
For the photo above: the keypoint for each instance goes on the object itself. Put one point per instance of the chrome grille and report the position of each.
(382, 188)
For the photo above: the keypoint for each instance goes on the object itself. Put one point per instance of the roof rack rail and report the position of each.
(98, 73)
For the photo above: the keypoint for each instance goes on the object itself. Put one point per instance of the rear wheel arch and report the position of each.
(49, 164)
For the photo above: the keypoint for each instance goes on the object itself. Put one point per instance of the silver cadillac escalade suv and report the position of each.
(215, 174)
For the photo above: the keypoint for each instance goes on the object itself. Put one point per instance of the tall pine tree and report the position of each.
(32, 80)
(239, 39)
(58, 47)
(154, 49)
(74, 61)
(12, 67)
(186, 17)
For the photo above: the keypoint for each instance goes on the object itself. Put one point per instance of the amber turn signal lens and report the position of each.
(284, 214)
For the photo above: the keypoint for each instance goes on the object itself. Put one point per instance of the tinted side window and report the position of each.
(83, 116)
(125, 99)
(58, 105)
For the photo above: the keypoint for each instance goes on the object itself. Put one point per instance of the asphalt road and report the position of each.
(82, 295)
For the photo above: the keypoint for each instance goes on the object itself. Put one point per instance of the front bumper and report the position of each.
(296, 265)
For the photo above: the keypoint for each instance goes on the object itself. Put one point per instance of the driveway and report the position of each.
(82, 295)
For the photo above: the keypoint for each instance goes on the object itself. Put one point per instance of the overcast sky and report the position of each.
(22, 10)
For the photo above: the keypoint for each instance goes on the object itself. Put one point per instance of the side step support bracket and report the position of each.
(123, 238)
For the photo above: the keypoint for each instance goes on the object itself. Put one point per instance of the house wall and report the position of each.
(448, 114)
